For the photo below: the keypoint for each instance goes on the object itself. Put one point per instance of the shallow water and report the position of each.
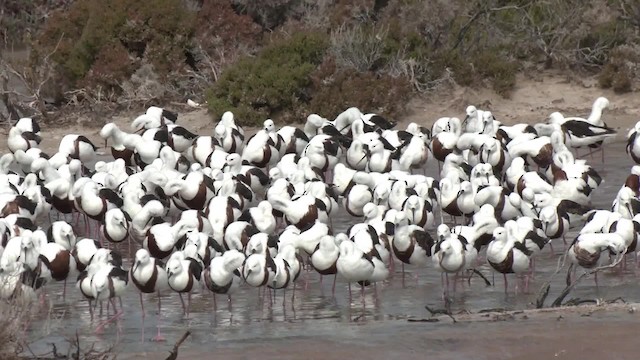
(313, 314)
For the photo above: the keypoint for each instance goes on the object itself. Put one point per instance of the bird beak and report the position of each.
(105, 143)
(441, 237)
(465, 121)
(460, 192)
(135, 266)
(367, 152)
(169, 274)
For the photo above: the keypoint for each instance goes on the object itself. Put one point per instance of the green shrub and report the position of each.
(270, 84)
(493, 65)
(94, 37)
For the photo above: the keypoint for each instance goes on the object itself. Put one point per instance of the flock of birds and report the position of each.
(227, 210)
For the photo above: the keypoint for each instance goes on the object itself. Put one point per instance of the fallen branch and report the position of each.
(174, 352)
(542, 295)
(544, 289)
(445, 311)
(558, 301)
(476, 271)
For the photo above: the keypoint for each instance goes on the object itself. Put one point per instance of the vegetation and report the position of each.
(286, 58)
(272, 83)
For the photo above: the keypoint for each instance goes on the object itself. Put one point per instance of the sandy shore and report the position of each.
(563, 333)
(532, 101)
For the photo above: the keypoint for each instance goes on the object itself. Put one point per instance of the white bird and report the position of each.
(448, 255)
(353, 265)
(193, 104)
(223, 276)
(324, 259)
(507, 256)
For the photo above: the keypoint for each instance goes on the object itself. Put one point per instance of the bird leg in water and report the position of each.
(184, 308)
(158, 336)
(142, 306)
(333, 288)
(506, 284)
(293, 295)
(116, 316)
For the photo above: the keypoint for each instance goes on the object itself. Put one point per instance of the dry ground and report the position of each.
(533, 100)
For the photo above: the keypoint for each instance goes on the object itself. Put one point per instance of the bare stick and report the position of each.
(565, 292)
(174, 352)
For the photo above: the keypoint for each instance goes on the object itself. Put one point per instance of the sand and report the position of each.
(534, 98)
(563, 333)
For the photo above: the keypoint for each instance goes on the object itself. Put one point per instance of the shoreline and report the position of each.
(532, 101)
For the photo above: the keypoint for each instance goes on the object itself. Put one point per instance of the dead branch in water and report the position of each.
(544, 289)
(445, 311)
(558, 301)
(174, 352)
(476, 271)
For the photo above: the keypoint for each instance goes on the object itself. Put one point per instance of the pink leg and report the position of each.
(506, 284)
(455, 283)
(333, 287)
(141, 305)
(293, 295)
(184, 307)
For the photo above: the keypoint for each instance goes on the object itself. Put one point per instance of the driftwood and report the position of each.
(558, 301)
(174, 353)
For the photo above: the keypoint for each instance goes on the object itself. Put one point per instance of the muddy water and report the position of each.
(313, 323)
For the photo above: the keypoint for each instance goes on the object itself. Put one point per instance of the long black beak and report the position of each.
(465, 121)
(135, 266)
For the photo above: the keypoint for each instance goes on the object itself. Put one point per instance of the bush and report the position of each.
(335, 90)
(273, 83)
(621, 69)
(498, 69)
(98, 42)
